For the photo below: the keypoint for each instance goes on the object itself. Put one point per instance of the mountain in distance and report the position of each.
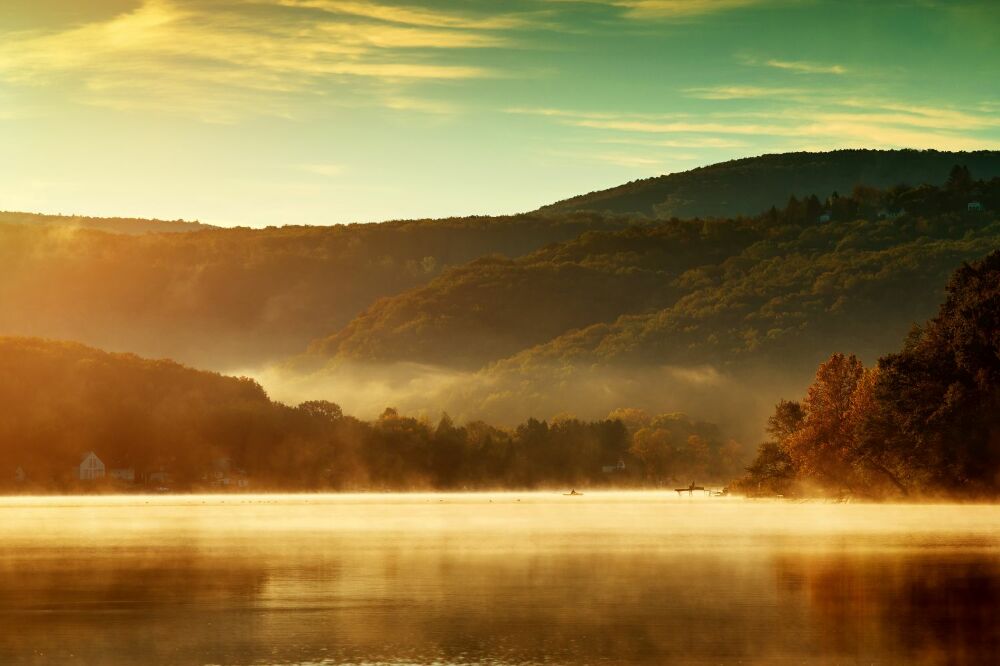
(750, 185)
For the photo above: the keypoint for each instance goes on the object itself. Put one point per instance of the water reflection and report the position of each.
(635, 579)
(936, 607)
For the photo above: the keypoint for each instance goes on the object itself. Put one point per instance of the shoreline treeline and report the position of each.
(183, 429)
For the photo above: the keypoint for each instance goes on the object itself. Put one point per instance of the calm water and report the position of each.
(530, 578)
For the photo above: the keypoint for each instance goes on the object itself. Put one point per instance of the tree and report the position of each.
(786, 420)
(959, 179)
(820, 449)
(654, 447)
(942, 391)
(322, 409)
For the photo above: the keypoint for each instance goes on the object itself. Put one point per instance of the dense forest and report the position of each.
(186, 429)
(923, 421)
(854, 269)
(231, 298)
(746, 186)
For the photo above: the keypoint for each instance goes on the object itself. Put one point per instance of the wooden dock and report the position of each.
(690, 489)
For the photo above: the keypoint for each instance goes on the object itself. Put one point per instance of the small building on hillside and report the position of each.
(825, 216)
(975, 207)
(20, 476)
(223, 475)
(90, 468)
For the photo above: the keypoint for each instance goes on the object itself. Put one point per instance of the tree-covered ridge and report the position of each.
(923, 421)
(173, 424)
(235, 297)
(748, 185)
(117, 225)
(495, 307)
(855, 269)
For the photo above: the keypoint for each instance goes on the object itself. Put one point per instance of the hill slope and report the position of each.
(231, 298)
(116, 225)
(749, 185)
(687, 291)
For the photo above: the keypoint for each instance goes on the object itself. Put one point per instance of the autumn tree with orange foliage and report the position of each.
(924, 421)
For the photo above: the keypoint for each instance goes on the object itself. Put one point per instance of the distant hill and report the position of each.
(117, 225)
(719, 292)
(752, 184)
(715, 318)
(233, 298)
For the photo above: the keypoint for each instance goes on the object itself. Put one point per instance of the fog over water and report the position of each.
(499, 578)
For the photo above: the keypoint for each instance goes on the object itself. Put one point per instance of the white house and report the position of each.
(91, 467)
(224, 475)
(975, 207)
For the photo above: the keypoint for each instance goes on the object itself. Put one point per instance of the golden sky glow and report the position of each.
(319, 111)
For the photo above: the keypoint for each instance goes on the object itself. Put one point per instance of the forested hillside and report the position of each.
(720, 292)
(118, 225)
(226, 298)
(178, 427)
(752, 184)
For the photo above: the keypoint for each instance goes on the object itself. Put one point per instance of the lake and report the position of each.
(495, 578)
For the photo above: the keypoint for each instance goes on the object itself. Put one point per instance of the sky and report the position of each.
(271, 112)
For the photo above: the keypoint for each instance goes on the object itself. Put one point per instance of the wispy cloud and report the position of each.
(680, 8)
(741, 92)
(418, 105)
(217, 62)
(411, 15)
(672, 9)
(686, 142)
(825, 122)
(806, 67)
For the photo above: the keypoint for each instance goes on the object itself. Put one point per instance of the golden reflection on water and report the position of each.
(501, 578)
